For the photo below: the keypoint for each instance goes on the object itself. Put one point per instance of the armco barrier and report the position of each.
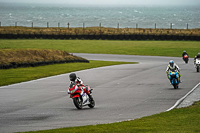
(115, 37)
(109, 37)
(133, 37)
(79, 37)
(162, 37)
(126, 37)
(73, 36)
(144, 37)
(197, 38)
(121, 37)
(102, 37)
(97, 37)
(180, 38)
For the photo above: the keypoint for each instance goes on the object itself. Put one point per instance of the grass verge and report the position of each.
(34, 55)
(11, 76)
(183, 120)
(96, 31)
(152, 48)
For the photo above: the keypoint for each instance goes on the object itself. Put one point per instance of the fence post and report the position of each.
(187, 26)
(68, 25)
(58, 24)
(170, 25)
(0, 24)
(155, 25)
(136, 26)
(15, 24)
(83, 27)
(32, 24)
(100, 27)
(118, 26)
(47, 24)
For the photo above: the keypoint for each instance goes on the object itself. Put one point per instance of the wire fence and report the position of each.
(83, 25)
(99, 32)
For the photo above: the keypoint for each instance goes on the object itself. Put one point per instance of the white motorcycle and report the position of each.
(197, 64)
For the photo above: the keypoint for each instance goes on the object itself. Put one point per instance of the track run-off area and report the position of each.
(121, 92)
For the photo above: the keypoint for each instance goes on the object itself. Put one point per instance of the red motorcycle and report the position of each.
(80, 98)
(186, 58)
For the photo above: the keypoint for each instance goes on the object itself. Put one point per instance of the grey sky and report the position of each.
(112, 2)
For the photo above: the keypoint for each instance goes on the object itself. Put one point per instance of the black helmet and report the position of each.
(72, 77)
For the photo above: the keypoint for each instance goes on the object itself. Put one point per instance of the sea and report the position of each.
(57, 15)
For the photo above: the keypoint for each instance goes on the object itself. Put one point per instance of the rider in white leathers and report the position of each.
(196, 57)
(173, 66)
(74, 79)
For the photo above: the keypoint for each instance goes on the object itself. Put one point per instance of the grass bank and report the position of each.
(152, 48)
(35, 55)
(11, 76)
(96, 31)
(183, 120)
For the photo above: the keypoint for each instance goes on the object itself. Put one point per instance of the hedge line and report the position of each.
(103, 37)
(42, 63)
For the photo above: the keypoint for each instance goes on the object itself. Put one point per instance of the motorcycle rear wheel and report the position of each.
(186, 61)
(197, 68)
(174, 84)
(78, 102)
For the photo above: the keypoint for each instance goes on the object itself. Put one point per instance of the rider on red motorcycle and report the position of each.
(174, 66)
(184, 53)
(79, 82)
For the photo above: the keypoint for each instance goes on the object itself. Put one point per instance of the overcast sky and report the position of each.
(111, 2)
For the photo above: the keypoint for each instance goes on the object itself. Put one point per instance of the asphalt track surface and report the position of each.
(121, 92)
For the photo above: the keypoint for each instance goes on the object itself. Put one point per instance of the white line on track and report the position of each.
(181, 99)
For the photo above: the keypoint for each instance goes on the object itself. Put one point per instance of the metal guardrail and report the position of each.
(102, 37)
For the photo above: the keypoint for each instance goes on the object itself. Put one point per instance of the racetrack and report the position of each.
(121, 92)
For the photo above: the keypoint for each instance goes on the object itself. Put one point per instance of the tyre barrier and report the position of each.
(41, 63)
(102, 37)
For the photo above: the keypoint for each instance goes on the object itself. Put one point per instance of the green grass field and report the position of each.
(153, 48)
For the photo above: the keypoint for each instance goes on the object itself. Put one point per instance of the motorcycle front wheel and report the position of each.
(78, 102)
(92, 104)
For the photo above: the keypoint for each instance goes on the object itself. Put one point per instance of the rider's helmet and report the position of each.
(72, 77)
(171, 63)
(198, 55)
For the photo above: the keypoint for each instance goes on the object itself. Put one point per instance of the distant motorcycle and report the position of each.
(80, 98)
(186, 58)
(173, 76)
(197, 64)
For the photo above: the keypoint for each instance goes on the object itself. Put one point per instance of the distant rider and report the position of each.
(184, 53)
(198, 56)
(79, 82)
(173, 66)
